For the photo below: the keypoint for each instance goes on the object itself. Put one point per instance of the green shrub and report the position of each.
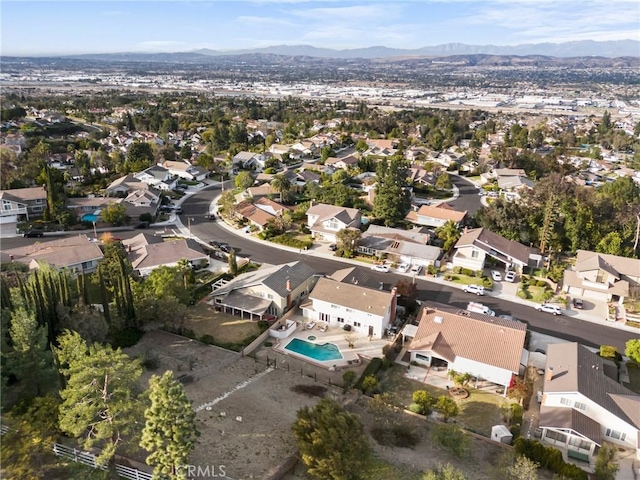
(432, 270)
(400, 436)
(608, 351)
(371, 370)
(370, 384)
(263, 325)
(487, 283)
(415, 408)
(549, 458)
(207, 339)
(457, 270)
(468, 272)
(452, 438)
(386, 363)
(268, 344)
(285, 239)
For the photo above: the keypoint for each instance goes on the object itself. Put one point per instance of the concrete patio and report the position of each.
(363, 346)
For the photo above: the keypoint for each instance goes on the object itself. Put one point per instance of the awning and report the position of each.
(562, 417)
(247, 303)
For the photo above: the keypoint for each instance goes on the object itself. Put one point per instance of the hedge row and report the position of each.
(285, 239)
(549, 458)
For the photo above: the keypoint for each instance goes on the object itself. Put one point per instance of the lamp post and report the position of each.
(189, 225)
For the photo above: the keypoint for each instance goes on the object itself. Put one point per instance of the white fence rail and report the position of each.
(89, 459)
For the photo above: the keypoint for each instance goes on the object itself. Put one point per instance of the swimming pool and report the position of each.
(324, 352)
(90, 217)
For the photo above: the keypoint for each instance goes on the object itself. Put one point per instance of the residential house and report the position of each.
(147, 252)
(267, 291)
(381, 147)
(405, 246)
(421, 176)
(356, 276)
(489, 348)
(306, 176)
(75, 253)
(84, 205)
(475, 247)
(157, 177)
(601, 276)
(249, 160)
(306, 148)
(186, 170)
(451, 157)
(139, 202)
(367, 311)
(436, 216)
(325, 221)
(122, 186)
(260, 213)
(344, 163)
(584, 404)
(19, 203)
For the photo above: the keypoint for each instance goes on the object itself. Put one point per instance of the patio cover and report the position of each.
(409, 330)
(248, 303)
(562, 417)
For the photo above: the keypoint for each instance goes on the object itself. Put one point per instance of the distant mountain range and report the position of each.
(586, 48)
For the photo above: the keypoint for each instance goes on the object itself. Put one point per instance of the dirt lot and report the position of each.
(227, 382)
(204, 320)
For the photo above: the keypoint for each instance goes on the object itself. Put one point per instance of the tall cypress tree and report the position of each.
(104, 298)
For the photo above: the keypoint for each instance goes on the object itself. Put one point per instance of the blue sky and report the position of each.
(86, 26)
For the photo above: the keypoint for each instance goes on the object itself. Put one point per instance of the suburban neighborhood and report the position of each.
(433, 286)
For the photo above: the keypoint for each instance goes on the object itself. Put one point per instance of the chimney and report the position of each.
(288, 285)
(129, 248)
(394, 302)
(549, 375)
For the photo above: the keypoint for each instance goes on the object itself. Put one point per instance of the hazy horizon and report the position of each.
(70, 27)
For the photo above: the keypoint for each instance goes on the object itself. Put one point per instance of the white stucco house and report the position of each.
(367, 311)
(489, 348)
(325, 221)
(157, 177)
(583, 403)
(476, 246)
(435, 216)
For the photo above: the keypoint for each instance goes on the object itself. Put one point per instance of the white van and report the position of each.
(480, 308)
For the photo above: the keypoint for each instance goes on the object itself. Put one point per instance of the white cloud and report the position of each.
(264, 21)
(353, 13)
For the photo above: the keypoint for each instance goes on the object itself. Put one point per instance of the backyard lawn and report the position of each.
(634, 379)
(224, 328)
(478, 413)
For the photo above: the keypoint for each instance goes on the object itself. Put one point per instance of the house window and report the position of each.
(601, 277)
(580, 406)
(36, 209)
(566, 401)
(475, 253)
(87, 265)
(6, 205)
(579, 443)
(349, 310)
(340, 320)
(424, 358)
(332, 224)
(38, 200)
(325, 317)
(357, 324)
(615, 434)
(334, 306)
(270, 296)
(555, 436)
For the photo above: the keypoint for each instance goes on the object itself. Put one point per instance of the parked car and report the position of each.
(496, 275)
(333, 247)
(225, 247)
(477, 289)
(34, 233)
(510, 317)
(416, 269)
(549, 308)
(510, 276)
(143, 225)
(577, 303)
(210, 216)
(403, 267)
(380, 268)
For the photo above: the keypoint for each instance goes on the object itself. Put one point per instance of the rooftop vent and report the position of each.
(438, 319)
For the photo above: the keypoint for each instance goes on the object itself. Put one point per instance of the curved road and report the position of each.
(562, 326)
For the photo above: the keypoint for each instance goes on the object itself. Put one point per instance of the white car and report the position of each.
(549, 308)
(403, 267)
(416, 269)
(380, 268)
(477, 289)
(510, 276)
(496, 275)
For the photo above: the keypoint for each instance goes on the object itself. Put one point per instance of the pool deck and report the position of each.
(363, 347)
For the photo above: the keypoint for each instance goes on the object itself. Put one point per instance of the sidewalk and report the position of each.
(322, 251)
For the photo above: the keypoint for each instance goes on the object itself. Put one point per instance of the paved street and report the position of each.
(565, 326)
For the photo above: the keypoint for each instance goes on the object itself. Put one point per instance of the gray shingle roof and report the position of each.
(577, 369)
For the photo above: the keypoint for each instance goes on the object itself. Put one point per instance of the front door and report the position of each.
(371, 330)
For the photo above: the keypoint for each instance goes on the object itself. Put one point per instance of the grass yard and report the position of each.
(634, 379)
(478, 413)
(224, 328)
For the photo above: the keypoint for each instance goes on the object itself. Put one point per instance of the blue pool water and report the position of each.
(326, 351)
(90, 217)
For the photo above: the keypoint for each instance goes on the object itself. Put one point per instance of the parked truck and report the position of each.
(480, 308)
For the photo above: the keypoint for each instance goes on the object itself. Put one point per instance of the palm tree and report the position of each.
(449, 233)
(280, 184)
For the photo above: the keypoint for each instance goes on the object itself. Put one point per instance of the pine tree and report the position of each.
(170, 431)
(100, 401)
(5, 294)
(104, 298)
